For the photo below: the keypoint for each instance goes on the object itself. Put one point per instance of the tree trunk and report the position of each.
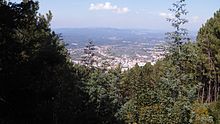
(209, 92)
(203, 93)
(216, 91)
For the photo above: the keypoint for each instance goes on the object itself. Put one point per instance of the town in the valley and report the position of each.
(104, 58)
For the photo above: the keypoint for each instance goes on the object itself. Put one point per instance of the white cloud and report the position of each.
(166, 15)
(108, 6)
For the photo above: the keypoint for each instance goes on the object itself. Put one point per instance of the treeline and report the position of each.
(39, 84)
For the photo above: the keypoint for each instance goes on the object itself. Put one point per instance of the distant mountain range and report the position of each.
(79, 37)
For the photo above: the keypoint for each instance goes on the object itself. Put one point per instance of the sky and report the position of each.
(130, 14)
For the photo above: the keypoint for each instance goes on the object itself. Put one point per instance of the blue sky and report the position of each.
(146, 14)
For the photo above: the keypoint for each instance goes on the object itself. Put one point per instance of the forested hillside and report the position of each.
(39, 84)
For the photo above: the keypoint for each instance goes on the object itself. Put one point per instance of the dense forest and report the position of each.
(39, 83)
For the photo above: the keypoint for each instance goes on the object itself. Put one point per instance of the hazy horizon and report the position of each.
(144, 29)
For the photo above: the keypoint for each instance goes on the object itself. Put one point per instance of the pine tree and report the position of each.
(208, 40)
(178, 86)
(178, 36)
(89, 53)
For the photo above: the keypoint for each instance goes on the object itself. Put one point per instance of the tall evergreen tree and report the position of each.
(208, 40)
(89, 53)
(178, 86)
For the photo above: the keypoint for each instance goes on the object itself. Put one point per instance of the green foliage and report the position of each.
(201, 114)
(102, 89)
(159, 93)
(214, 111)
(178, 85)
(176, 38)
(208, 40)
(38, 82)
(140, 91)
(88, 57)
